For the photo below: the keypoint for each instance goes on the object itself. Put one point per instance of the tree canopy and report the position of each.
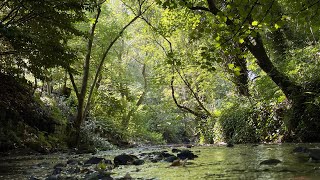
(172, 70)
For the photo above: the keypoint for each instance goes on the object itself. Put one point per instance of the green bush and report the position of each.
(237, 125)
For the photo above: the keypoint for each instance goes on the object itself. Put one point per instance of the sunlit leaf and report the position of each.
(231, 66)
(254, 23)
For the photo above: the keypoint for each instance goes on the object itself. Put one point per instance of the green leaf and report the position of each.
(231, 66)
(238, 68)
(276, 26)
(237, 73)
(255, 23)
(241, 41)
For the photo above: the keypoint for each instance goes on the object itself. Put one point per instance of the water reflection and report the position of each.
(214, 162)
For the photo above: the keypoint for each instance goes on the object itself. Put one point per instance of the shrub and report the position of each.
(237, 125)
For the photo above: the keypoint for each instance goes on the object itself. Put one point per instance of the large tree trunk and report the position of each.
(303, 118)
(289, 88)
(256, 47)
(82, 94)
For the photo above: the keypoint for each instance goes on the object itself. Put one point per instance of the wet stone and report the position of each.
(171, 158)
(270, 162)
(174, 150)
(124, 159)
(94, 160)
(164, 154)
(57, 170)
(138, 162)
(230, 145)
(186, 154)
(314, 153)
(300, 150)
(72, 162)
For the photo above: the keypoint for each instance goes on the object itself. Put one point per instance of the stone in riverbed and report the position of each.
(124, 159)
(57, 170)
(270, 162)
(138, 162)
(72, 162)
(164, 154)
(174, 150)
(97, 160)
(186, 154)
(314, 153)
(300, 150)
(171, 158)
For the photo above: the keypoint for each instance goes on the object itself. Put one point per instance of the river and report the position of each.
(214, 162)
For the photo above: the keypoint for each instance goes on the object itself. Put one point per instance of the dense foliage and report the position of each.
(168, 71)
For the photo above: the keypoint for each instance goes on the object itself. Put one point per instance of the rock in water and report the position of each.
(314, 153)
(73, 162)
(174, 150)
(300, 150)
(124, 159)
(171, 158)
(164, 154)
(94, 160)
(186, 154)
(138, 162)
(230, 145)
(270, 162)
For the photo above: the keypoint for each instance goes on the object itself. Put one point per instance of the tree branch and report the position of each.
(172, 80)
(73, 83)
(195, 95)
(177, 104)
(104, 58)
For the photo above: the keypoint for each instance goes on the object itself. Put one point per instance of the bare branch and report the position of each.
(176, 102)
(195, 95)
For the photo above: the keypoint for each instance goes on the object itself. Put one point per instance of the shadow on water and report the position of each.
(214, 162)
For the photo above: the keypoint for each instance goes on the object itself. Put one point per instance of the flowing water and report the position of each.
(214, 162)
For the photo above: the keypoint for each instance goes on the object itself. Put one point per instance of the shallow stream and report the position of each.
(214, 162)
